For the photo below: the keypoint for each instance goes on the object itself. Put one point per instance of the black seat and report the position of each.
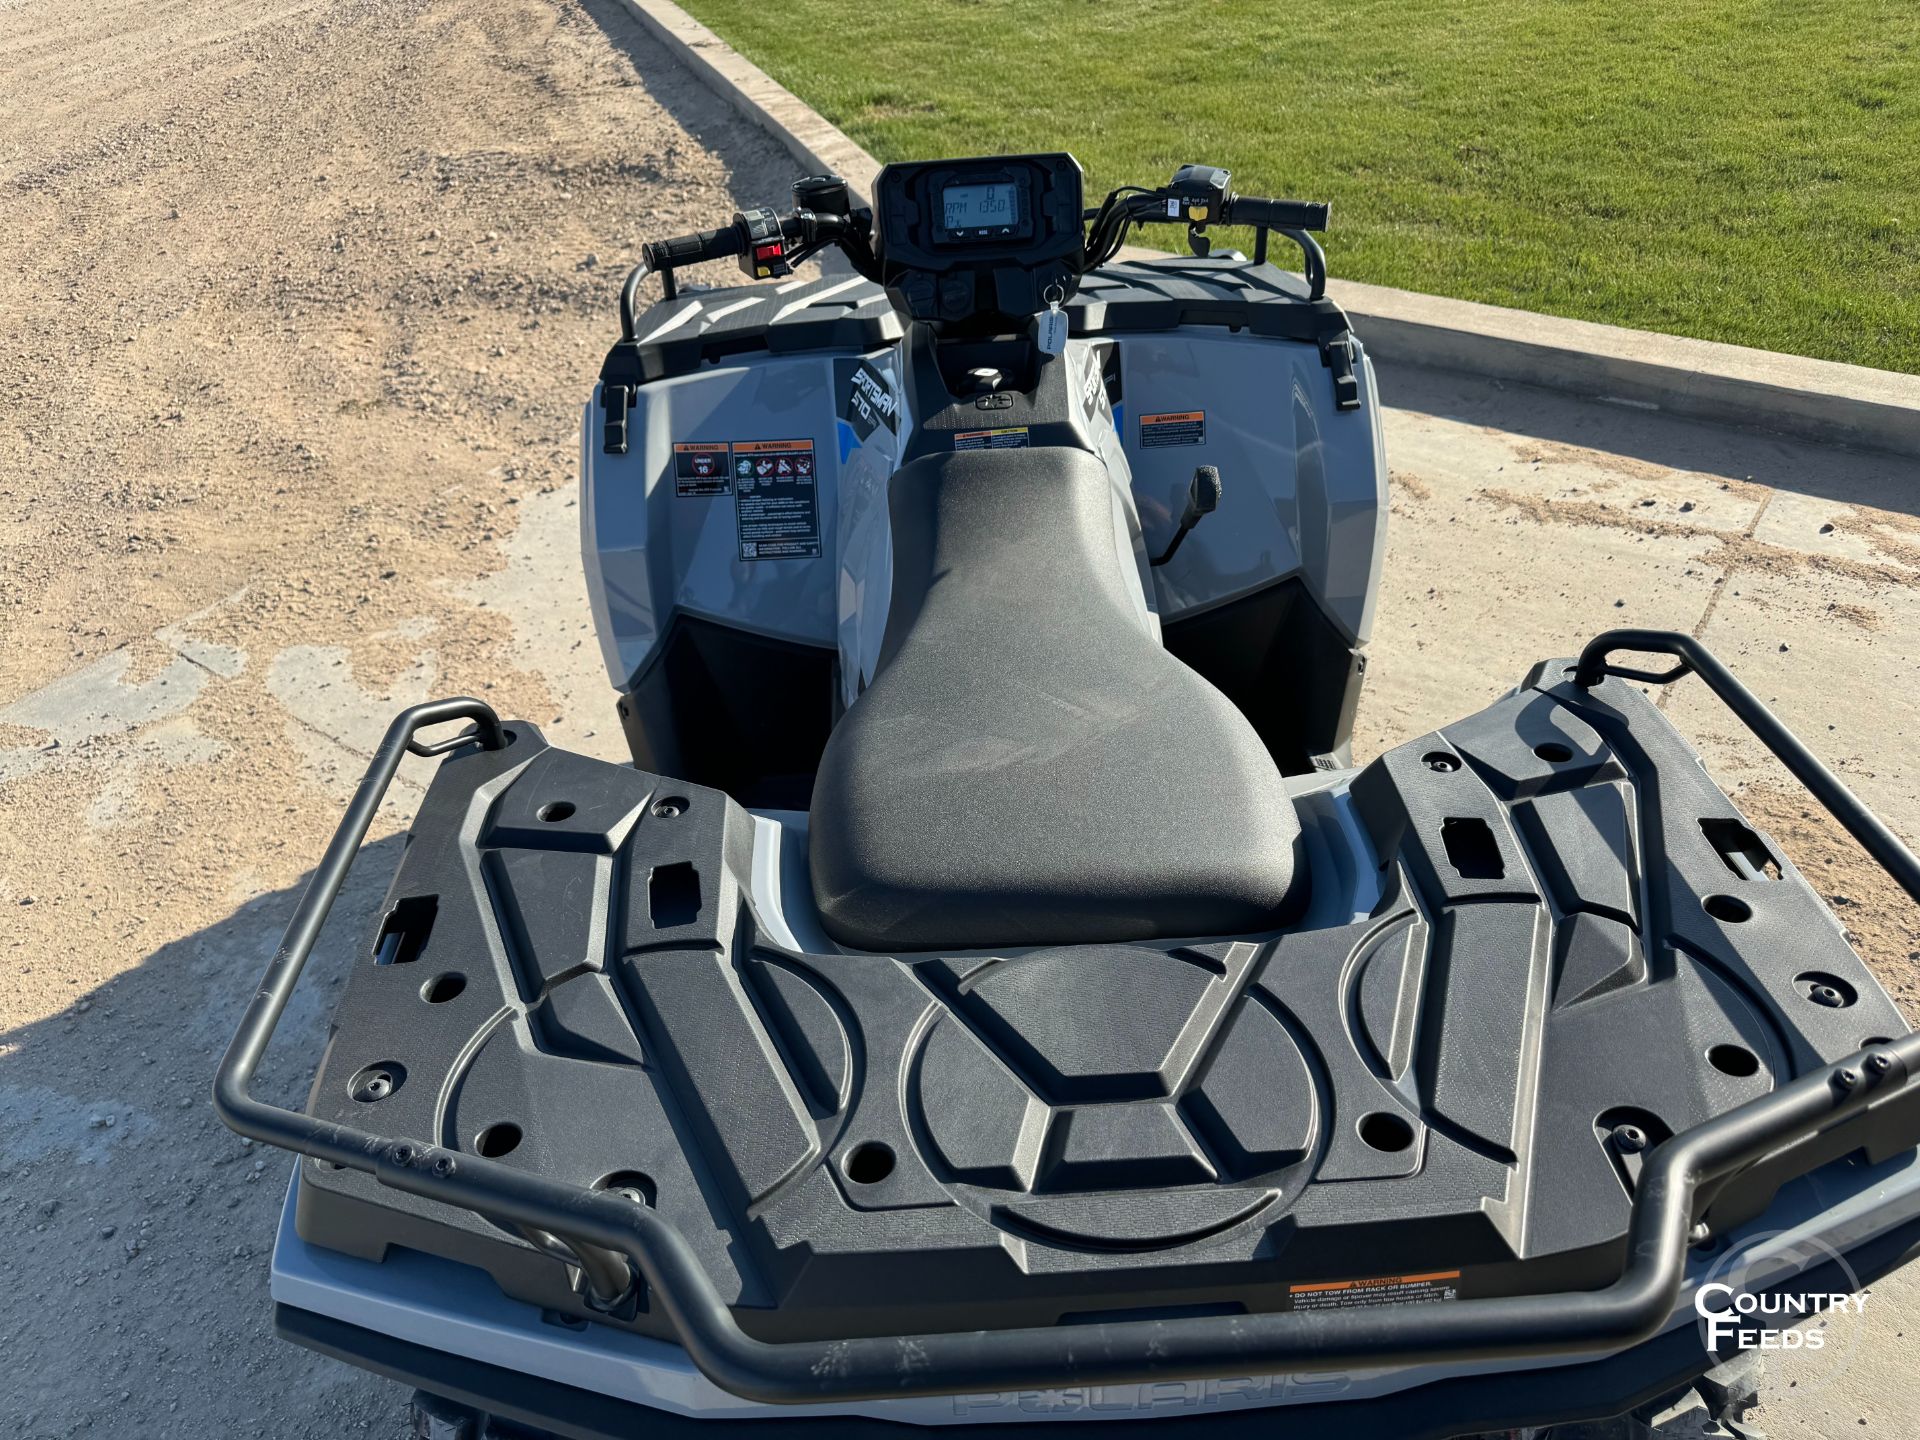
(1030, 766)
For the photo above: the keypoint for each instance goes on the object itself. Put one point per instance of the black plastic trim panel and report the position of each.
(741, 712)
(1285, 664)
(708, 326)
(1148, 295)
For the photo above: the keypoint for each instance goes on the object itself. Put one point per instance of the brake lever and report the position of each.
(851, 233)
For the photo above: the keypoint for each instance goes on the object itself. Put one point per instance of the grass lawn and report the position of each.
(1739, 170)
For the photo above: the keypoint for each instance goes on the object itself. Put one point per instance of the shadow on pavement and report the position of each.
(746, 150)
(138, 1226)
(1851, 477)
(759, 168)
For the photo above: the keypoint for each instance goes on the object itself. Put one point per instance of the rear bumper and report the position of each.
(1453, 1406)
(447, 1329)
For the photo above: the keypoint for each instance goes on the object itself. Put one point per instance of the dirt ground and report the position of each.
(299, 305)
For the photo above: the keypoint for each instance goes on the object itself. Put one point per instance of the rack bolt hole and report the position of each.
(1824, 989)
(1735, 1060)
(634, 1185)
(1729, 909)
(498, 1140)
(443, 988)
(868, 1163)
(1385, 1132)
(377, 1081)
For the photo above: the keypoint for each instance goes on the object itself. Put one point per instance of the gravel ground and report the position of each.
(300, 305)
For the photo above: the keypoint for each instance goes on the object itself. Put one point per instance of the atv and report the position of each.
(992, 998)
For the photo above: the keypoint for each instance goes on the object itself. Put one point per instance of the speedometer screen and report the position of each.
(979, 208)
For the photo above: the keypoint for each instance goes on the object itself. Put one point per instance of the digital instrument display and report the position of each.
(989, 236)
(984, 209)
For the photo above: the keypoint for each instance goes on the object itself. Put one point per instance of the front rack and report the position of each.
(620, 1246)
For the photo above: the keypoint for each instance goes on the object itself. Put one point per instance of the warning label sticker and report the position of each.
(1434, 1287)
(1010, 437)
(1174, 427)
(700, 468)
(776, 504)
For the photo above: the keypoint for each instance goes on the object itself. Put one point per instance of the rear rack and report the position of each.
(621, 1247)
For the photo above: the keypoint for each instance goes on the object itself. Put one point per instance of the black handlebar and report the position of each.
(661, 257)
(692, 249)
(1276, 214)
(1198, 196)
(1205, 200)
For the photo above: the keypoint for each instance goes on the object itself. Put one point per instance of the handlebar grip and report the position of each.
(1276, 214)
(692, 249)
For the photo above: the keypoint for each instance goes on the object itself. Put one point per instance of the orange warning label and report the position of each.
(776, 504)
(769, 447)
(700, 468)
(1433, 1287)
(1173, 427)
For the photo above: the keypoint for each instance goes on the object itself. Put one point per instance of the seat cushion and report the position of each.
(1030, 766)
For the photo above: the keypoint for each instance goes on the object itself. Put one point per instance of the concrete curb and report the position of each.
(1816, 400)
(1754, 389)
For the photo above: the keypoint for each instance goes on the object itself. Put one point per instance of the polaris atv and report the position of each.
(992, 999)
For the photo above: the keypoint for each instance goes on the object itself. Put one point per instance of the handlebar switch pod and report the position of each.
(1198, 194)
(763, 256)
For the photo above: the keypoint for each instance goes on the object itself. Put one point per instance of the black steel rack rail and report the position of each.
(1814, 1119)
